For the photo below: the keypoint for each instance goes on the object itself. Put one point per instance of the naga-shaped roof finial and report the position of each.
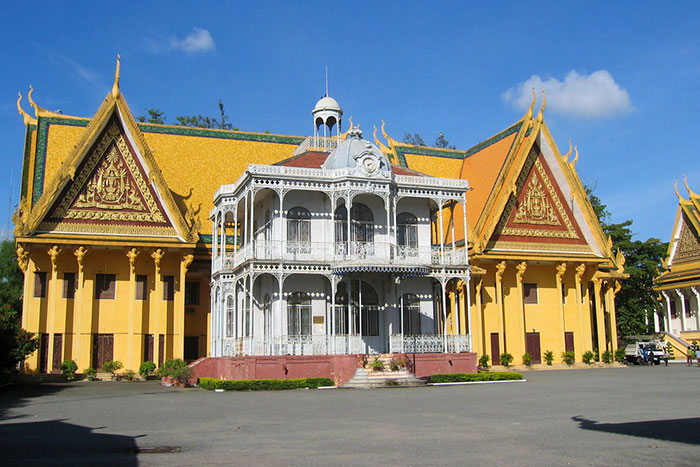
(691, 192)
(540, 114)
(529, 114)
(27, 118)
(115, 86)
(675, 187)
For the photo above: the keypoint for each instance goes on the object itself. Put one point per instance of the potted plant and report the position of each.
(607, 357)
(620, 355)
(549, 357)
(527, 359)
(484, 361)
(146, 369)
(587, 357)
(568, 357)
(68, 368)
(169, 368)
(112, 367)
(182, 375)
(377, 365)
(90, 374)
(506, 359)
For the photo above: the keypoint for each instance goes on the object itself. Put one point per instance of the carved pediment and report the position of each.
(688, 244)
(111, 190)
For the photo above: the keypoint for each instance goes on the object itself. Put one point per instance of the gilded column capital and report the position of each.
(132, 254)
(186, 261)
(561, 269)
(157, 256)
(53, 252)
(22, 257)
(618, 286)
(580, 269)
(521, 267)
(80, 253)
(500, 268)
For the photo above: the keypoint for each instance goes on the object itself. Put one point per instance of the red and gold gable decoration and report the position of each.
(109, 194)
(539, 213)
(688, 244)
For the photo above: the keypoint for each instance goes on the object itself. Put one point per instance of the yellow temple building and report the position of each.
(679, 284)
(114, 236)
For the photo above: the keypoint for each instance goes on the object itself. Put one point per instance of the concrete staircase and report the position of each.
(366, 378)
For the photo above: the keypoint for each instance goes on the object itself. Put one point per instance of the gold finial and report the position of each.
(27, 118)
(381, 145)
(675, 187)
(540, 114)
(620, 261)
(32, 103)
(528, 115)
(691, 192)
(573, 162)
(566, 156)
(115, 87)
(345, 135)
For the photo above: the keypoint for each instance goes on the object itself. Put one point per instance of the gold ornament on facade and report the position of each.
(53, 252)
(500, 268)
(521, 267)
(688, 244)
(22, 258)
(620, 261)
(186, 261)
(580, 269)
(561, 269)
(80, 253)
(535, 208)
(157, 257)
(132, 254)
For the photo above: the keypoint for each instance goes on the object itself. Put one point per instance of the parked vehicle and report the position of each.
(644, 353)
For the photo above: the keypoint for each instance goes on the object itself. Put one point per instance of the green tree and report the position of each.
(441, 142)
(201, 121)
(15, 342)
(414, 139)
(154, 116)
(636, 300)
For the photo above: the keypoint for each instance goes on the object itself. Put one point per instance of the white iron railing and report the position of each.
(429, 343)
(372, 253)
(301, 345)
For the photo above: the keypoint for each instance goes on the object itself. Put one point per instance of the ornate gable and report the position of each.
(537, 212)
(688, 244)
(109, 193)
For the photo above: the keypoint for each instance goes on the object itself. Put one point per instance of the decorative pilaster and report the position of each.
(500, 269)
(479, 322)
(612, 291)
(82, 349)
(580, 270)
(52, 298)
(132, 254)
(561, 269)
(179, 328)
(600, 318)
(519, 274)
(160, 326)
(23, 263)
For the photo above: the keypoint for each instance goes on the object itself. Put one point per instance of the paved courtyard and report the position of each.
(630, 416)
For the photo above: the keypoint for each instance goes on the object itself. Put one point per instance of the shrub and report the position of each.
(90, 374)
(147, 368)
(263, 384)
(620, 355)
(527, 359)
(68, 368)
(568, 357)
(549, 357)
(170, 367)
(607, 356)
(587, 357)
(398, 362)
(129, 375)
(484, 361)
(596, 354)
(474, 377)
(377, 365)
(183, 375)
(112, 367)
(506, 359)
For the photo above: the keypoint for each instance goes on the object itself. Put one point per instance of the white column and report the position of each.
(223, 238)
(457, 310)
(214, 237)
(468, 301)
(442, 243)
(656, 322)
(252, 220)
(466, 250)
(681, 297)
(454, 255)
(245, 220)
(697, 307)
(348, 207)
(235, 232)
(667, 323)
(443, 284)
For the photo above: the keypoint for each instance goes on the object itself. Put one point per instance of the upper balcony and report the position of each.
(343, 255)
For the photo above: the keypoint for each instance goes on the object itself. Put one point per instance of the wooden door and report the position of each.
(569, 341)
(161, 349)
(495, 349)
(191, 348)
(148, 348)
(532, 346)
(102, 350)
(44, 353)
(57, 353)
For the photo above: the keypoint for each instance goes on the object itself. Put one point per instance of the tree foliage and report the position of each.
(636, 300)
(154, 116)
(15, 342)
(414, 139)
(200, 121)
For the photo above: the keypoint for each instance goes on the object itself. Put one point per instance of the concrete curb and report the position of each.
(464, 383)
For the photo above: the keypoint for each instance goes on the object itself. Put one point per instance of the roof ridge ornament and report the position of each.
(691, 192)
(675, 187)
(540, 114)
(529, 113)
(27, 118)
(352, 125)
(115, 86)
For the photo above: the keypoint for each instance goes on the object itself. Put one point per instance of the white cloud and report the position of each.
(198, 41)
(595, 95)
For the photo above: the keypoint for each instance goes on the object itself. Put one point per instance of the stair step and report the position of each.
(368, 380)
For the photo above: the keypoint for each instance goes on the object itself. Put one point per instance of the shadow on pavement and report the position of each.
(680, 430)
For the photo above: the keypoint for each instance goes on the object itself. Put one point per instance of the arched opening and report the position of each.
(299, 230)
(411, 314)
(299, 314)
(230, 322)
(267, 315)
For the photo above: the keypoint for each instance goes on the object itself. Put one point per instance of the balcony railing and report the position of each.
(429, 343)
(339, 253)
(301, 345)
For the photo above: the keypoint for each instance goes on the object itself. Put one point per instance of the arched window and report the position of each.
(411, 314)
(341, 309)
(366, 303)
(230, 323)
(298, 230)
(362, 223)
(267, 315)
(407, 230)
(341, 224)
(299, 314)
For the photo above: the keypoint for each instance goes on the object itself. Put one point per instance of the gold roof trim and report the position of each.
(540, 114)
(40, 111)
(690, 192)
(115, 86)
(680, 198)
(27, 118)
(529, 114)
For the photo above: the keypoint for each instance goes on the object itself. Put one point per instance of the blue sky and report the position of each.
(622, 77)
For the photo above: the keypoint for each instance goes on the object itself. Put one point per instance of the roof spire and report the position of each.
(326, 80)
(691, 192)
(22, 112)
(675, 187)
(115, 87)
(528, 115)
(540, 114)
